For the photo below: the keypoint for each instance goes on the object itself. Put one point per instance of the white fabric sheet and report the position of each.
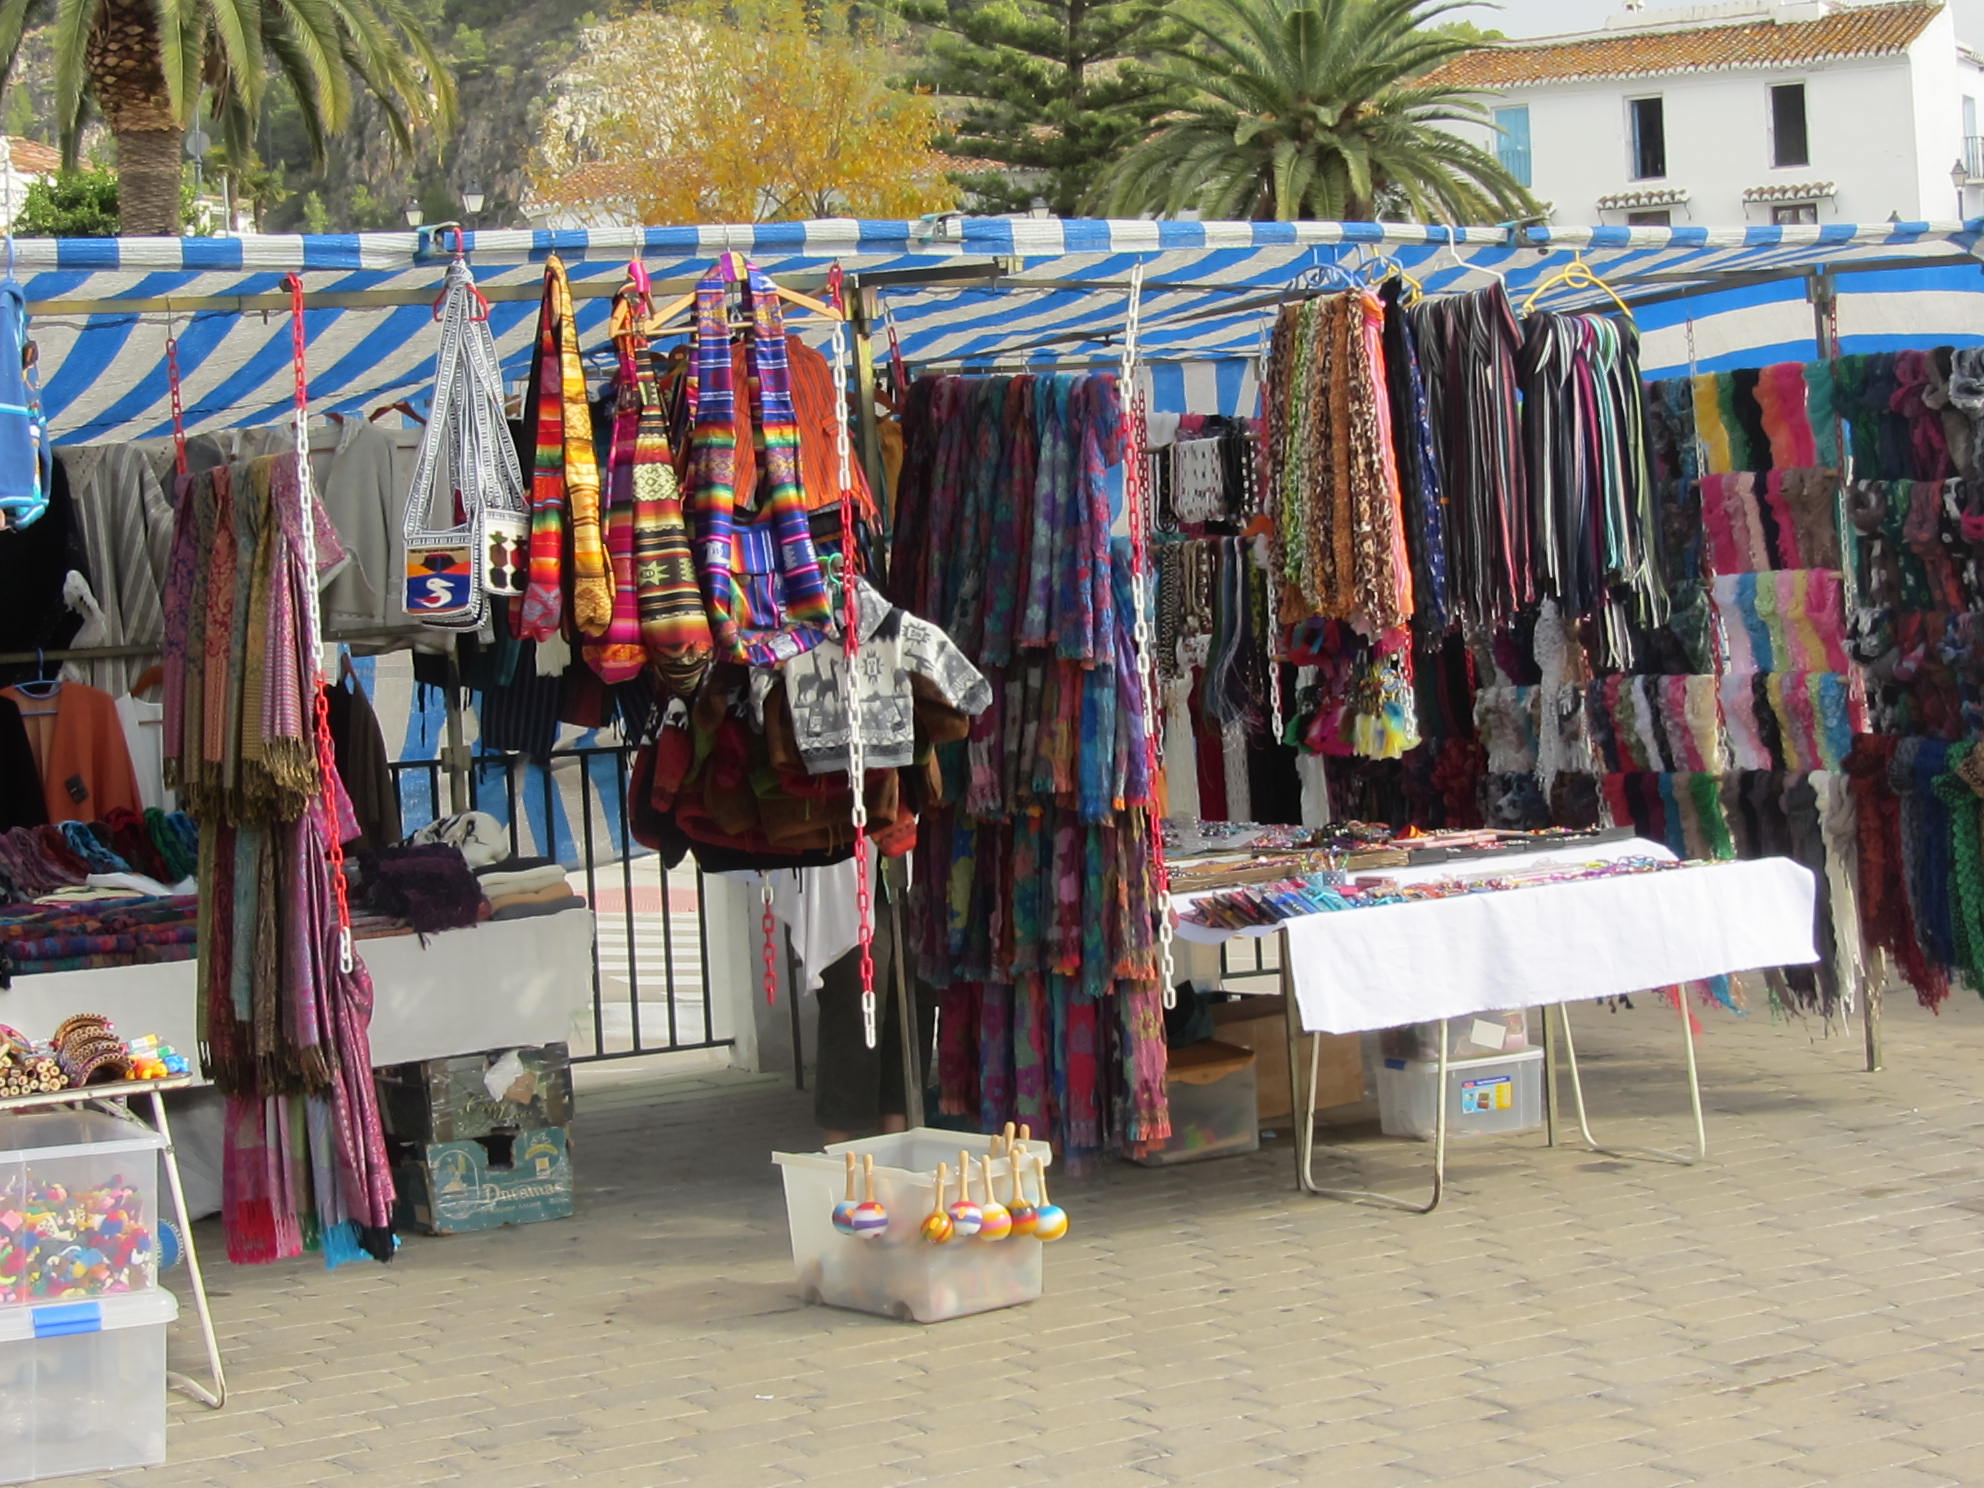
(502, 984)
(1590, 852)
(1475, 953)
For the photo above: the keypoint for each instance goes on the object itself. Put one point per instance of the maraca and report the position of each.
(844, 1210)
(1022, 1214)
(966, 1216)
(937, 1226)
(1050, 1221)
(869, 1219)
(995, 1220)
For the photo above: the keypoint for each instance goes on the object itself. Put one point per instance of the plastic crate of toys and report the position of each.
(887, 1225)
(78, 1206)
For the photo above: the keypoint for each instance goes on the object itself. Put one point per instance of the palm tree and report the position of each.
(1315, 109)
(145, 65)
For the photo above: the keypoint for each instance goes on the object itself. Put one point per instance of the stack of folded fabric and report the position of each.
(152, 856)
(77, 937)
(524, 888)
(428, 887)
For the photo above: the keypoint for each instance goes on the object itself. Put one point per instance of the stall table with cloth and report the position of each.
(1387, 965)
(501, 984)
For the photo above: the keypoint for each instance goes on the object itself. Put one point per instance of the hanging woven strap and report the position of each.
(618, 654)
(797, 600)
(467, 446)
(542, 613)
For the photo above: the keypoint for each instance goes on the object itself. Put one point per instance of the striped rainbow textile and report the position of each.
(800, 607)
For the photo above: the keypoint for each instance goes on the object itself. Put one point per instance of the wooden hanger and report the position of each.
(734, 269)
(402, 406)
(1577, 274)
(152, 676)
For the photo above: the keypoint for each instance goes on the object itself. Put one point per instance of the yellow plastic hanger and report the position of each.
(1577, 274)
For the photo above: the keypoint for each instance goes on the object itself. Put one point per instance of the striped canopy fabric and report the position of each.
(961, 292)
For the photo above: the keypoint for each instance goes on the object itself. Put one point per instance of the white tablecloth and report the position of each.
(500, 985)
(1391, 964)
(1590, 852)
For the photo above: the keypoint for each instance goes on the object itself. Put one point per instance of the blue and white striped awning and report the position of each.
(1019, 292)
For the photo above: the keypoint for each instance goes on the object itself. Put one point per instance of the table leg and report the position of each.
(1303, 1099)
(1551, 1115)
(1694, 1094)
(216, 1397)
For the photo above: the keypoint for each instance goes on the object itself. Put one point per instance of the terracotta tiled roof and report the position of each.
(32, 159)
(1853, 31)
(1795, 191)
(1626, 201)
(595, 181)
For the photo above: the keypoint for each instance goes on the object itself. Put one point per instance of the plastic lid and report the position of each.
(89, 1315)
(1202, 1063)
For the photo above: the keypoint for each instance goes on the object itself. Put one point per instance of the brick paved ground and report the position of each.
(1809, 1308)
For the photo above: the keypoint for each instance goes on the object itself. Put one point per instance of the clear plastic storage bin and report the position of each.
(82, 1386)
(1215, 1104)
(1476, 1036)
(900, 1274)
(1483, 1095)
(78, 1207)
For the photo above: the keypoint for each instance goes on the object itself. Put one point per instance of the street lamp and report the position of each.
(472, 200)
(1959, 174)
(414, 216)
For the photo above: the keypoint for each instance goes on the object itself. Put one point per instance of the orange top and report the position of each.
(78, 744)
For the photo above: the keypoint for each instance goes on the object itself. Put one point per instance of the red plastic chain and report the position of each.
(851, 642)
(770, 926)
(326, 751)
(178, 410)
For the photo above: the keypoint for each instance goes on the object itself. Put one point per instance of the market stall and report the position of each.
(1445, 577)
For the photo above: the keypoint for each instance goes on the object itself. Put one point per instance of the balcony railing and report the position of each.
(1973, 157)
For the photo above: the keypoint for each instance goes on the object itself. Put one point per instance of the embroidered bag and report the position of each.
(451, 570)
(781, 607)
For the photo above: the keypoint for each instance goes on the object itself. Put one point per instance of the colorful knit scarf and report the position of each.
(617, 655)
(542, 613)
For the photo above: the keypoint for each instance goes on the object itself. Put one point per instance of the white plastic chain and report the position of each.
(857, 771)
(1134, 494)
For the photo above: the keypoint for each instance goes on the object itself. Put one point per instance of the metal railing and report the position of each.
(650, 949)
(1973, 156)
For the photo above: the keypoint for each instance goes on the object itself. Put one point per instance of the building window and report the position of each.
(1790, 143)
(1512, 142)
(1662, 218)
(1649, 138)
(1973, 147)
(1794, 214)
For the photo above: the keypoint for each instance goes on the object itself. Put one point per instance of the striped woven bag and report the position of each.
(785, 611)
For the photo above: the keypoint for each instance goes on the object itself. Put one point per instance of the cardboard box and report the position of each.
(447, 1188)
(1260, 1024)
(476, 1095)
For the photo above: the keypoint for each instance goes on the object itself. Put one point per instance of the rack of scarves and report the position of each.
(284, 1003)
(1789, 703)
(1034, 899)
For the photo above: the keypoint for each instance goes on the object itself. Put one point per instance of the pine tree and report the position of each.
(1048, 91)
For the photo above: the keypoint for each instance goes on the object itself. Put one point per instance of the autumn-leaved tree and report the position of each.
(739, 111)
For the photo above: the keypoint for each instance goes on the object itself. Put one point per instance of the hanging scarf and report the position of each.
(617, 654)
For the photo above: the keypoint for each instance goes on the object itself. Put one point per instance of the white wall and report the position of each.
(1862, 123)
(1938, 114)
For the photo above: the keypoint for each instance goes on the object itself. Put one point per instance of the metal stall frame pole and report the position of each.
(1821, 290)
(1303, 1100)
(1647, 1154)
(455, 754)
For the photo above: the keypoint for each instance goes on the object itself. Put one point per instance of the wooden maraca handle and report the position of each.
(850, 1177)
(868, 1177)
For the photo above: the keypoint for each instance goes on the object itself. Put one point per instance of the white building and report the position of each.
(1784, 111)
(24, 164)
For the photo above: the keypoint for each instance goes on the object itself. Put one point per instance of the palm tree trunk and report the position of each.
(148, 175)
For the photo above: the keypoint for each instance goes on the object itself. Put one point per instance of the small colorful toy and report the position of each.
(937, 1226)
(869, 1219)
(1050, 1220)
(966, 1217)
(844, 1210)
(56, 1245)
(995, 1220)
(1022, 1214)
